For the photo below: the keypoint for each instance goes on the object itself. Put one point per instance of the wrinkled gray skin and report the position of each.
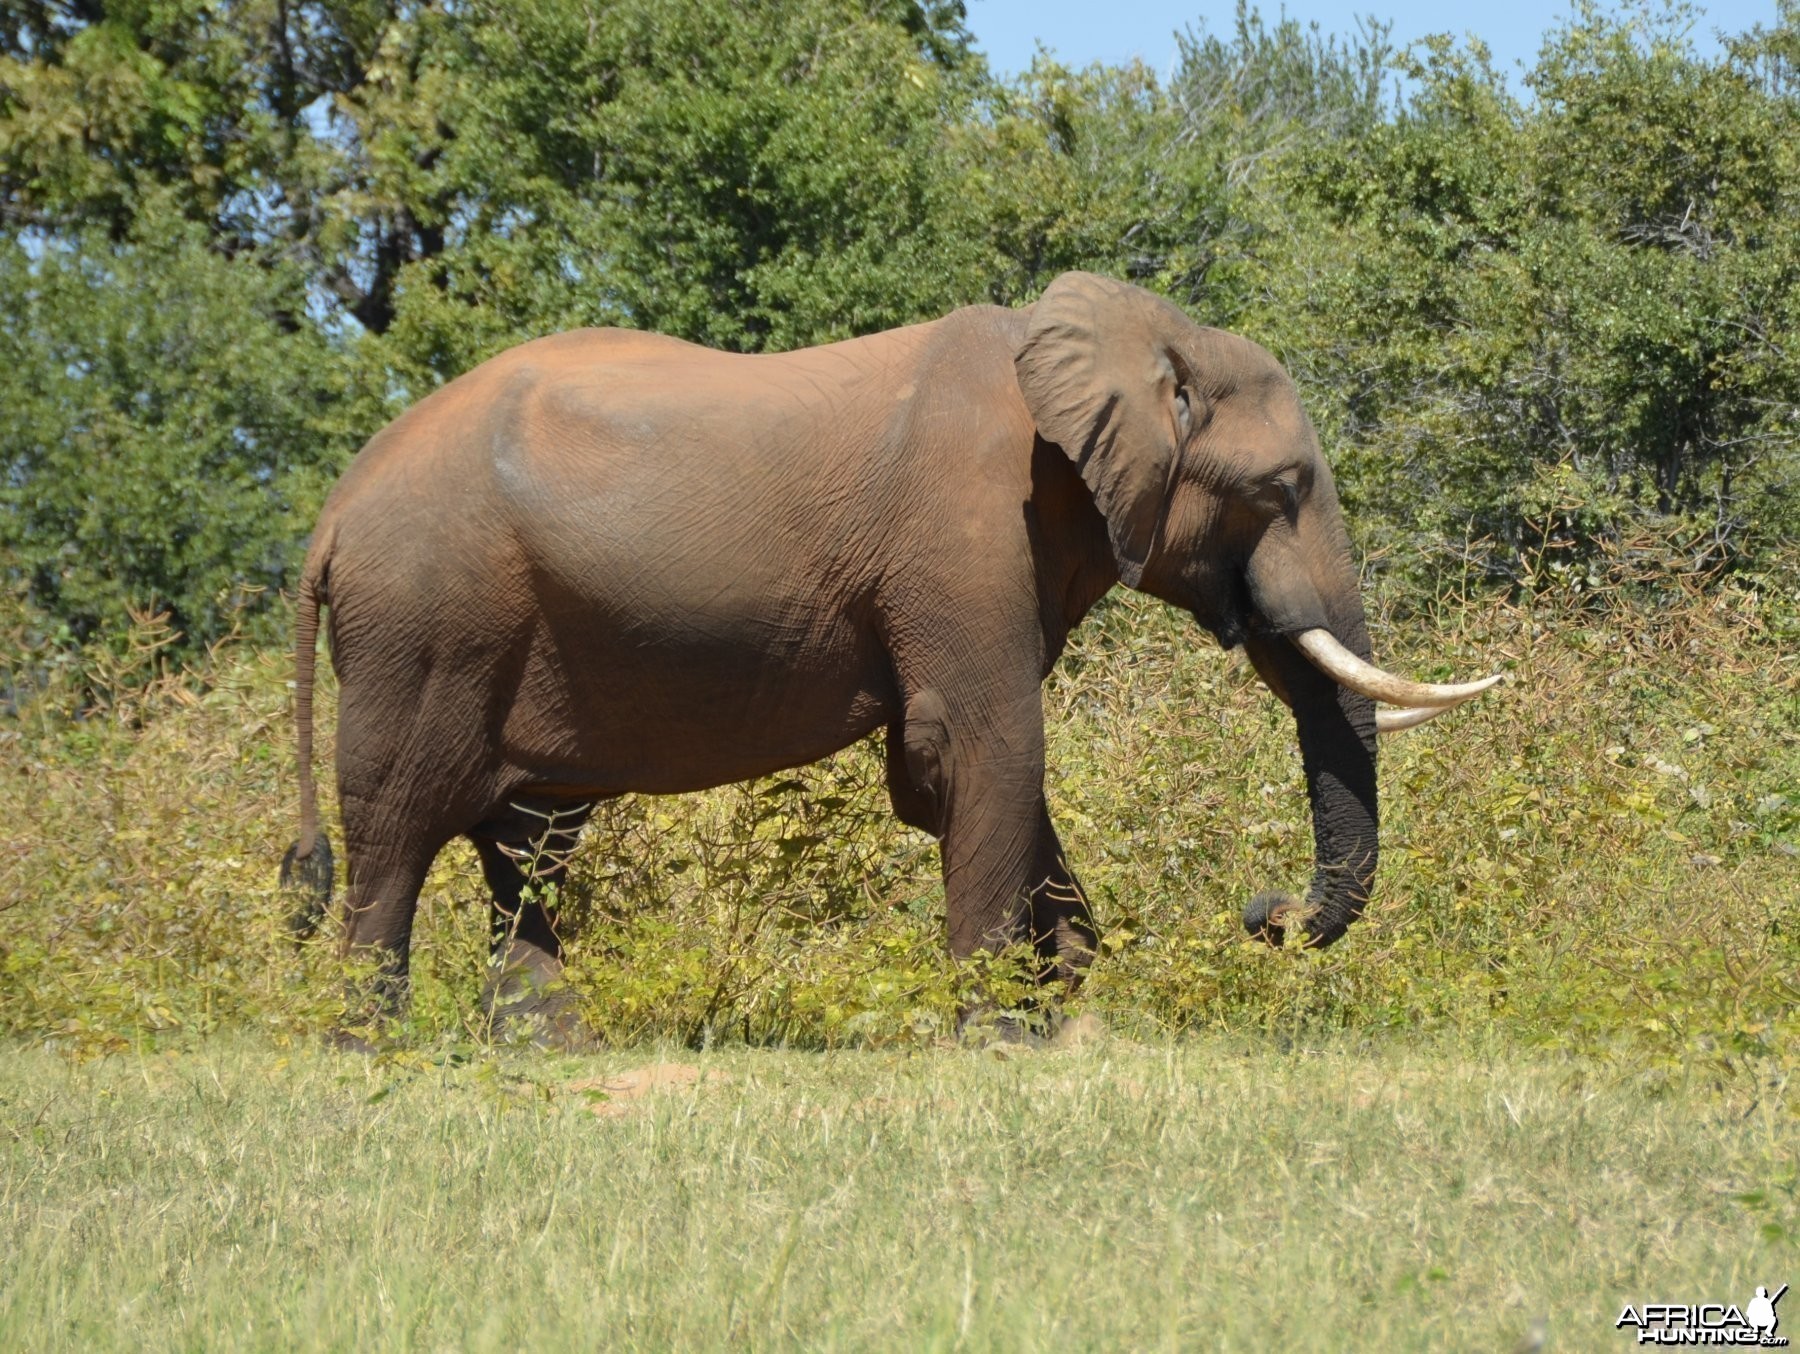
(610, 562)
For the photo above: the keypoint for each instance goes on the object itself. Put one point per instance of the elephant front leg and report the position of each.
(974, 777)
(991, 904)
(1062, 923)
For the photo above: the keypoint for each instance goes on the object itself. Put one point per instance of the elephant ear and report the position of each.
(1101, 381)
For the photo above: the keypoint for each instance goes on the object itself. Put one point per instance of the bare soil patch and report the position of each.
(629, 1092)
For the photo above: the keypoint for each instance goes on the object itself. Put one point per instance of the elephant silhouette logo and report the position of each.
(1759, 1312)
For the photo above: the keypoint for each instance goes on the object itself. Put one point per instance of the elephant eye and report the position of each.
(1282, 495)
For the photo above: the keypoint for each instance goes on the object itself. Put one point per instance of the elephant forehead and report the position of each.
(1260, 430)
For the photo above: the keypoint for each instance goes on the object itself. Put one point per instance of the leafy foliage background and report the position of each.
(240, 235)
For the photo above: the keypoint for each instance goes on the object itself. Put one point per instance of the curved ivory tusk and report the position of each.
(1392, 721)
(1344, 667)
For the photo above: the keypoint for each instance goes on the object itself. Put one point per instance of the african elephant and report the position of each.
(609, 562)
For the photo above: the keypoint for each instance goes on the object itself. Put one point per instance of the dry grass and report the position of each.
(1212, 1192)
(1549, 1073)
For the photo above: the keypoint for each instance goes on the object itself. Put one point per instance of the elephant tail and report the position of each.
(307, 865)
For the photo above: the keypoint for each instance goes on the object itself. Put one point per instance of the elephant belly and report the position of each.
(612, 712)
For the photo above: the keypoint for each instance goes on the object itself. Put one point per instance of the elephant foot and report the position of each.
(528, 1002)
(1009, 1030)
(983, 1026)
(374, 1007)
(351, 1041)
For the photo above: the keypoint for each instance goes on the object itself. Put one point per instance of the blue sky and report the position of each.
(1082, 31)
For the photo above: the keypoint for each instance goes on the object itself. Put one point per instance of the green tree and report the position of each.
(306, 128)
(1172, 186)
(169, 432)
(747, 177)
(239, 232)
(1565, 315)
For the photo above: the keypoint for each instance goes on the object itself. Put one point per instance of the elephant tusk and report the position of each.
(1344, 667)
(1393, 721)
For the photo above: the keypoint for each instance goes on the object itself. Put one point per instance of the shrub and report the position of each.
(1600, 855)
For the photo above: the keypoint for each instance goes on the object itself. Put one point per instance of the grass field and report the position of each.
(1206, 1193)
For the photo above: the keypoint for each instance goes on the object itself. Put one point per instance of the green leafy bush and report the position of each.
(1550, 342)
(1601, 855)
(1590, 295)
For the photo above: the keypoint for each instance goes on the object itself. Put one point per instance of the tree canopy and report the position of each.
(238, 235)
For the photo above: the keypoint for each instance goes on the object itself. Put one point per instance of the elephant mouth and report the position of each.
(1233, 619)
(1417, 701)
(1229, 631)
(1226, 613)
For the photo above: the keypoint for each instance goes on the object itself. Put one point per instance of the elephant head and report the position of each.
(1217, 500)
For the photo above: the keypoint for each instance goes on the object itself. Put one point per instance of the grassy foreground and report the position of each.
(1202, 1193)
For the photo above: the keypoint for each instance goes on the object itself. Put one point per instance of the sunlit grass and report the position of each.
(1550, 1072)
(1207, 1193)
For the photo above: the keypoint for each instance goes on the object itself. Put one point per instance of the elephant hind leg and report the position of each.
(523, 848)
(522, 851)
(382, 900)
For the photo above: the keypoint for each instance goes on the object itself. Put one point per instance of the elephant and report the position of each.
(609, 562)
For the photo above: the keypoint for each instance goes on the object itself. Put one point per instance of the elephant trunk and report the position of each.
(1296, 591)
(1336, 727)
